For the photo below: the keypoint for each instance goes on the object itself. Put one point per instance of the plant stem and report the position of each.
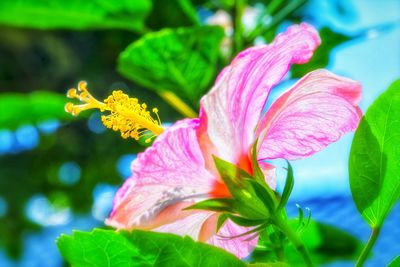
(277, 18)
(295, 239)
(367, 249)
(178, 104)
(279, 253)
(237, 14)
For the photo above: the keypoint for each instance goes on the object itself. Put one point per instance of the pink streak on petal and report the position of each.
(269, 172)
(170, 172)
(190, 225)
(232, 109)
(315, 112)
(239, 246)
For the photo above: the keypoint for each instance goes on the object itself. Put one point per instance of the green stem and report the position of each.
(178, 104)
(295, 239)
(277, 18)
(367, 249)
(279, 254)
(237, 14)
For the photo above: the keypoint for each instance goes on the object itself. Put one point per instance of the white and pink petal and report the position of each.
(232, 109)
(315, 112)
(228, 239)
(167, 176)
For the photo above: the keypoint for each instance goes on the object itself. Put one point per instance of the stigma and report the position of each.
(124, 114)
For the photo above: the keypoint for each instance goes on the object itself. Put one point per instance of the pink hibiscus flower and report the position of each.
(178, 170)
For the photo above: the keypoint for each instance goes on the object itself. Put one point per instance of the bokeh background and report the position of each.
(58, 173)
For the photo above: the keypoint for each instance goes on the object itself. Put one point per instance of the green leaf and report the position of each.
(374, 164)
(221, 220)
(245, 221)
(75, 14)
(268, 264)
(17, 108)
(320, 59)
(247, 202)
(99, 248)
(395, 262)
(263, 193)
(258, 174)
(213, 204)
(178, 60)
(172, 13)
(140, 248)
(288, 187)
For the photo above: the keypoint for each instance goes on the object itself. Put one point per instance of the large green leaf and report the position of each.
(179, 60)
(395, 262)
(374, 164)
(18, 108)
(75, 14)
(140, 248)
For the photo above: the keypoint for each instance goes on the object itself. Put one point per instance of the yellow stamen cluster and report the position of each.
(127, 115)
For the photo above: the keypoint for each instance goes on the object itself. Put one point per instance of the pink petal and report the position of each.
(191, 225)
(269, 172)
(239, 246)
(232, 109)
(167, 177)
(315, 112)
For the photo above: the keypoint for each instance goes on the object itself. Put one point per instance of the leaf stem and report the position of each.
(178, 104)
(237, 14)
(279, 253)
(368, 247)
(295, 239)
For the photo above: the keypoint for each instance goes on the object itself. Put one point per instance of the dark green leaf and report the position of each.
(214, 204)
(75, 14)
(374, 164)
(288, 187)
(244, 221)
(320, 59)
(17, 109)
(178, 60)
(172, 13)
(221, 220)
(140, 248)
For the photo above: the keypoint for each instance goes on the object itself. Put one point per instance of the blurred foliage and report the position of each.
(324, 242)
(180, 59)
(26, 68)
(172, 13)
(75, 14)
(140, 248)
(41, 49)
(18, 109)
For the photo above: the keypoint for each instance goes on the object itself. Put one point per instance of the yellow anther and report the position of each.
(126, 114)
